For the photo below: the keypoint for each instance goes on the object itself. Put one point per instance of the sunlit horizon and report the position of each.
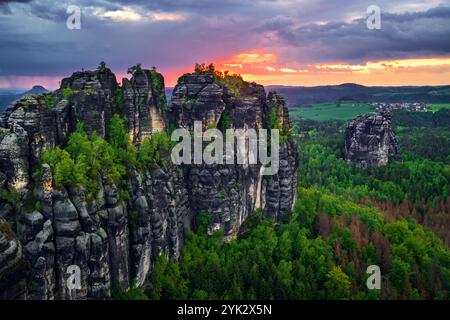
(262, 68)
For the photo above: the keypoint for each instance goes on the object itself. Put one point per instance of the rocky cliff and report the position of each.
(44, 230)
(370, 140)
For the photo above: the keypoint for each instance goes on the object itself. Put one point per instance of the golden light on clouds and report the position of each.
(131, 15)
(233, 65)
(256, 61)
(289, 70)
(387, 64)
(255, 57)
(265, 68)
(125, 14)
(162, 16)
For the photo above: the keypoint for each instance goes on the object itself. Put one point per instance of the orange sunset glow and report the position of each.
(264, 68)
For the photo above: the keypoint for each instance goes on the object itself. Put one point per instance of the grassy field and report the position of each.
(329, 111)
(437, 107)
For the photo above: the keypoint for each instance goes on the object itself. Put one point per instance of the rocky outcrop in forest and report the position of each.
(112, 239)
(370, 140)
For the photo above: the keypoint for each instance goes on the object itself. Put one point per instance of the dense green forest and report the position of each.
(345, 219)
(321, 254)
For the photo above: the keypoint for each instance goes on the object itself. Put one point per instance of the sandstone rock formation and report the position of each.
(44, 230)
(370, 140)
(231, 193)
(13, 267)
(145, 101)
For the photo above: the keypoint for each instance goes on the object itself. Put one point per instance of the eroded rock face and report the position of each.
(231, 192)
(14, 157)
(13, 267)
(112, 239)
(92, 100)
(197, 98)
(370, 140)
(144, 101)
(281, 189)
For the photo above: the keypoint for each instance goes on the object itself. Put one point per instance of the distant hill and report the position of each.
(8, 96)
(303, 96)
(35, 90)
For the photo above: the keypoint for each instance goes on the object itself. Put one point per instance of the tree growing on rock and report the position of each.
(102, 66)
(135, 69)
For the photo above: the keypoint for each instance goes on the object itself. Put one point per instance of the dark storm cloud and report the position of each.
(48, 47)
(35, 40)
(4, 2)
(5, 9)
(187, 5)
(401, 36)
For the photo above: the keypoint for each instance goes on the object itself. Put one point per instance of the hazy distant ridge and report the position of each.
(301, 96)
(7, 97)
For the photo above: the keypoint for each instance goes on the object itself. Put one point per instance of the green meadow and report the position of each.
(330, 111)
(437, 107)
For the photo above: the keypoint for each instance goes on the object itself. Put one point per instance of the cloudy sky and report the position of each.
(290, 42)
